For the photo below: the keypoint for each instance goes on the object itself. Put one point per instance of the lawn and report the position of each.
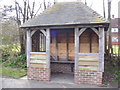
(12, 72)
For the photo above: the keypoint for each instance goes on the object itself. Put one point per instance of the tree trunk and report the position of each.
(109, 18)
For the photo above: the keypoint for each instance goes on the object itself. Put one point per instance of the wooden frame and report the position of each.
(100, 33)
(77, 34)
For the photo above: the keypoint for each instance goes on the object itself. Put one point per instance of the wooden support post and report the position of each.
(95, 30)
(56, 44)
(67, 54)
(33, 32)
(90, 38)
(106, 42)
(101, 49)
(28, 47)
(48, 47)
(76, 47)
(81, 31)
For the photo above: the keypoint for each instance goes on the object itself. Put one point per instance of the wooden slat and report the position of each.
(88, 53)
(37, 52)
(88, 68)
(88, 63)
(37, 57)
(38, 65)
(38, 61)
(89, 58)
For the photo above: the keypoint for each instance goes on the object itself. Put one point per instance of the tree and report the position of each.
(7, 36)
(109, 32)
(24, 13)
(104, 8)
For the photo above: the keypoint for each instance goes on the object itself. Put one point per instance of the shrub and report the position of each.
(11, 56)
(9, 51)
(21, 61)
(117, 75)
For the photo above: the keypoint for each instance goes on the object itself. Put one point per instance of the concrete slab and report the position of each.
(58, 80)
(66, 78)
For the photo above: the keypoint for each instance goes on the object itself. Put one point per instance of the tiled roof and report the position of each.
(66, 13)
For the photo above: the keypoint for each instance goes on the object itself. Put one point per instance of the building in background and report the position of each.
(114, 26)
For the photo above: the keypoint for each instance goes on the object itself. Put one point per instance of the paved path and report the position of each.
(24, 83)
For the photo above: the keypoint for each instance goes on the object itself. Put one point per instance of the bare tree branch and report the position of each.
(38, 9)
(33, 9)
(104, 8)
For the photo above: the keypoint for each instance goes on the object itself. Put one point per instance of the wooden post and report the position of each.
(67, 48)
(90, 38)
(106, 42)
(48, 47)
(56, 44)
(28, 47)
(76, 47)
(101, 49)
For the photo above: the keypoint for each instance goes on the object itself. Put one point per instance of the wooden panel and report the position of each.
(95, 44)
(89, 42)
(61, 49)
(84, 43)
(62, 46)
(71, 51)
(53, 48)
(38, 59)
(88, 61)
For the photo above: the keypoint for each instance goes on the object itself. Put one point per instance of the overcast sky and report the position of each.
(96, 5)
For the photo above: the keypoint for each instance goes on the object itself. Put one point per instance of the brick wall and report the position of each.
(41, 74)
(88, 77)
(63, 68)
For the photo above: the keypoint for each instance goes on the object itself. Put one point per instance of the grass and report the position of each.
(12, 72)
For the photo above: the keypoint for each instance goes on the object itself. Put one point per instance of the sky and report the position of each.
(96, 5)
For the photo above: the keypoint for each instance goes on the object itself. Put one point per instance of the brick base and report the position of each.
(41, 74)
(88, 77)
(62, 68)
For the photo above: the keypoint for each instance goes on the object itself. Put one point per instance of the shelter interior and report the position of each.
(62, 46)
